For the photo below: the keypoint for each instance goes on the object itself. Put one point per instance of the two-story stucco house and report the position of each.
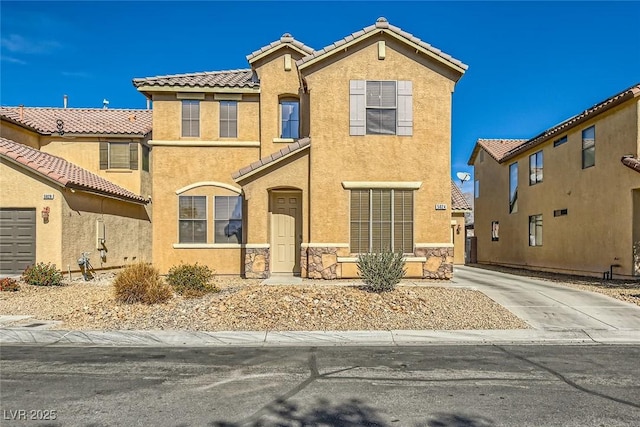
(567, 200)
(308, 158)
(72, 181)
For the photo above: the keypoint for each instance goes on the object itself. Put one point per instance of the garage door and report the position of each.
(17, 240)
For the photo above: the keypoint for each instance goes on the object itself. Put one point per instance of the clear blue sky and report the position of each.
(531, 64)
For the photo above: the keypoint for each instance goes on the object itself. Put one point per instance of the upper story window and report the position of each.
(560, 141)
(381, 107)
(476, 188)
(190, 118)
(192, 219)
(227, 219)
(381, 219)
(589, 147)
(513, 187)
(535, 230)
(289, 118)
(119, 155)
(535, 168)
(228, 119)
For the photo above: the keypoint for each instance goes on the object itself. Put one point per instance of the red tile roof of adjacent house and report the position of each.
(458, 201)
(383, 24)
(631, 162)
(230, 78)
(95, 121)
(62, 172)
(285, 39)
(497, 148)
(299, 145)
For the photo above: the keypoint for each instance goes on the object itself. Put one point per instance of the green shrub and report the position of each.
(8, 284)
(42, 274)
(141, 282)
(382, 271)
(191, 280)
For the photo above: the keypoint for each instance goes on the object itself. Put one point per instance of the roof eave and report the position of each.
(148, 89)
(256, 56)
(137, 200)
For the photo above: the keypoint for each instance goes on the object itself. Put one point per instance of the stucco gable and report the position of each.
(383, 26)
(272, 159)
(497, 148)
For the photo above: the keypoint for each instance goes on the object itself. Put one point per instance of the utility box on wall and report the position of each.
(101, 236)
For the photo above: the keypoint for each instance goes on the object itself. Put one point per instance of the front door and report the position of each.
(286, 232)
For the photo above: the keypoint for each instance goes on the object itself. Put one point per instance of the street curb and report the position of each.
(27, 336)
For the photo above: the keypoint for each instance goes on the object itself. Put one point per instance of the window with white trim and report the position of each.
(190, 118)
(192, 219)
(381, 107)
(227, 227)
(118, 155)
(228, 119)
(289, 118)
(381, 219)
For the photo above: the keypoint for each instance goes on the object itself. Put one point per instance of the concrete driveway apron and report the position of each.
(549, 306)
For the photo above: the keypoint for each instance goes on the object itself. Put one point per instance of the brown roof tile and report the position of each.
(383, 24)
(631, 162)
(229, 78)
(458, 201)
(497, 148)
(286, 39)
(81, 120)
(62, 172)
(273, 157)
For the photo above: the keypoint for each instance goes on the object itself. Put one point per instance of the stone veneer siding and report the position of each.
(321, 263)
(256, 263)
(439, 264)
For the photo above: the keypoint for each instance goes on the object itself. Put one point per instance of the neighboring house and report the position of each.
(567, 200)
(73, 181)
(308, 158)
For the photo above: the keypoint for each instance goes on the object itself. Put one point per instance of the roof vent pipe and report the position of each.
(21, 112)
(65, 100)
(105, 104)
(148, 104)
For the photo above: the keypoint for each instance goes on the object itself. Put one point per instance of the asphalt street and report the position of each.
(435, 386)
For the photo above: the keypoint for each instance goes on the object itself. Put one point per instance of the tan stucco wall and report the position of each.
(21, 189)
(19, 134)
(597, 231)
(291, 173)
(424, 157)
(275, 83)
(459, 241)
(167, 119)
(127, 227)
(177, 167)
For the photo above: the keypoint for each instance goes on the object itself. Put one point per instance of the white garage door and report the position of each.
(17, 239)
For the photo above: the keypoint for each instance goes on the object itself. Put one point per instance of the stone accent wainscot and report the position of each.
(256, 263)
(439, 264)
(322, 263)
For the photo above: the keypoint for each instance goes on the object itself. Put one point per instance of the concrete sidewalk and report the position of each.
(556, 313)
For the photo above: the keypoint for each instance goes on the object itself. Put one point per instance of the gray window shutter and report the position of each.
(133, 156)
(104, 155)
(405, 107)
(357, 111)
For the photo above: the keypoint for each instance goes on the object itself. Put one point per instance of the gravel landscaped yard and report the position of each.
(248, 305)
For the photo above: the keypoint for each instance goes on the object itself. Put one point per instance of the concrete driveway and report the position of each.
(549, 306)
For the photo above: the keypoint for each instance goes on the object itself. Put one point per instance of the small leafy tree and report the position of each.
(191, 280)
(381, 271)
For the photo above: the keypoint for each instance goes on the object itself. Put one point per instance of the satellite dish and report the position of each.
(463, 177)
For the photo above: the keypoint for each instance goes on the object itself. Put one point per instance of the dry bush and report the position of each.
(191, 280)
(141, 282)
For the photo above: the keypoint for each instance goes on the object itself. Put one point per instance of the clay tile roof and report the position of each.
(382, 24)
(631, 162)
(228, 78)
(458, 201)
(81, 120)
(62, 172)
(285, 39)
(299, 145)
(629, 93)
(498, 148)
